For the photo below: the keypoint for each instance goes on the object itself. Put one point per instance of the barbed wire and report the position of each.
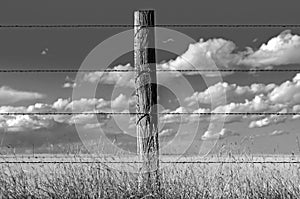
(134, 113)
(136, 162)
(86, 26)
(97, 26)
(133, 70)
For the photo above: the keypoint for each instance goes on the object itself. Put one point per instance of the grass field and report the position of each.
(102, 180)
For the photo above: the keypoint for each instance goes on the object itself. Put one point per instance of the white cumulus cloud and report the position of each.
(115, 78)
(10, 96)
(34, 122)
(287, 93)
(280, 50)
(25, 122)
(213, 54)
(224, 133)
(210, 54)
(232, 92)
(272, 119)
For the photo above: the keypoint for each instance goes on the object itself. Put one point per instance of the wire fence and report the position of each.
(85, 26)
(162, 113)
(108, 70)
(132, 70)
(162, 162)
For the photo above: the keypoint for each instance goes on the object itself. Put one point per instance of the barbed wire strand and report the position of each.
(132, 70)
(134, 113)
(85, 26)
(163, 162)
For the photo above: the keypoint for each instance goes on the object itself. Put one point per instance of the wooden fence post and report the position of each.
(146, 93)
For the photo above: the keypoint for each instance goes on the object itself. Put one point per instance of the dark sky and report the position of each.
(118, 12)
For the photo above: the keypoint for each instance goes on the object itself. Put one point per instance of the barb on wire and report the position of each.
(134, 113)
(136, 162)
(62, 70)
(133, 70)
(96, 26)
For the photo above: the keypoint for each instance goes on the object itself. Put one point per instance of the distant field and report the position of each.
(234, 177)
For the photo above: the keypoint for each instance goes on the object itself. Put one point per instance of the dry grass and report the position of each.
(177, 181)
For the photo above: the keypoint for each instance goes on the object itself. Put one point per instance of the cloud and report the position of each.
(69, 83)
(208, 54)
(44, 51)
(219, 53)
(85, 104)
(258, 104)
(213, 54)
(296, 109)
(25, 122)
(273, 119)
(81, 119)
(19, 123)
(115, 78)
(200, 55)
(288, 92)
(254, 98)
(10, 96)
(224, 133)
(174, 118)
(281, 50)
(121, 103)
(197, 117)
(40, 108)
(232, 92)
(61, 104)
(279, 132)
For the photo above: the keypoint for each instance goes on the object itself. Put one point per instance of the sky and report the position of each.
(207, 48)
